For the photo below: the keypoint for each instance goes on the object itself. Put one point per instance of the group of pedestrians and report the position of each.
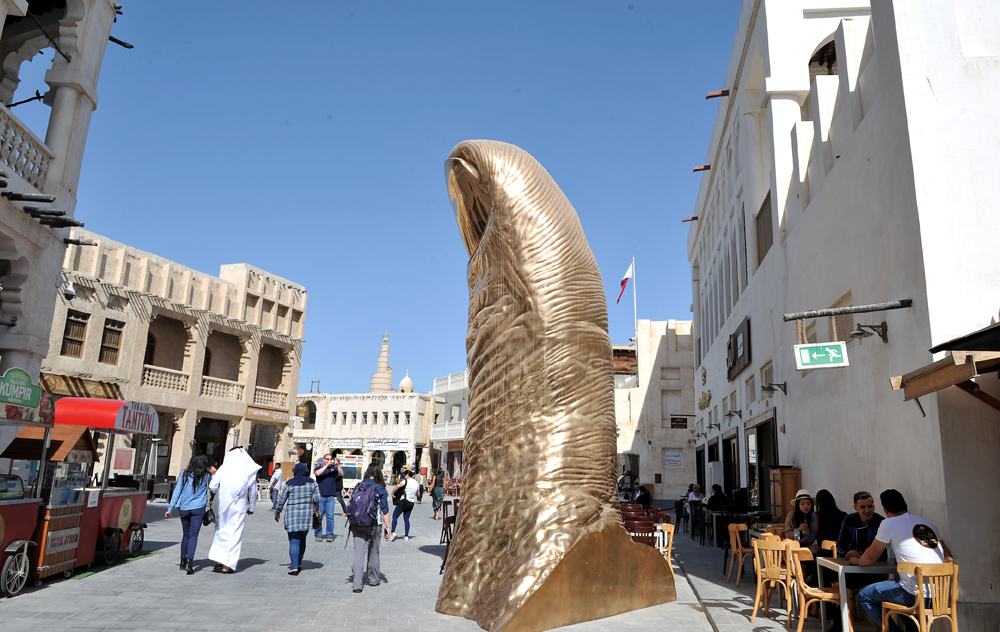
(305, 503)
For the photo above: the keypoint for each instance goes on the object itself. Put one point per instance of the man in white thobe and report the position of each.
(235, 487)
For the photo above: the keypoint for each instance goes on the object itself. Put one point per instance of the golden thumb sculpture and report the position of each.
(539, 541)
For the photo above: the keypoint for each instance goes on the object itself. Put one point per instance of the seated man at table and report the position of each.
(718, 500)
(859, 528)
(912, 539)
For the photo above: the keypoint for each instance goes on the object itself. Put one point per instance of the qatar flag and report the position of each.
(629, 274)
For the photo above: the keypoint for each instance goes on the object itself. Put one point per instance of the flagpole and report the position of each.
(635, 312)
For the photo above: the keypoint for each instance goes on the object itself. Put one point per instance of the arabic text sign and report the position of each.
(825, 355)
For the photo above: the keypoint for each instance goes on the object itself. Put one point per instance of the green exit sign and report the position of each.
(825, 355)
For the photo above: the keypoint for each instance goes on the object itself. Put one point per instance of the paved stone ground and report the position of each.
(152, 594)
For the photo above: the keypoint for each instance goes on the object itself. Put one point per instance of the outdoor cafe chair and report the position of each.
(768, 559)
(643, 534)
(739, 552)
(446, 529)
(942, 579)
(829, 545)
(668, 548)
(770, 537)
(809, 595)
(698, 521)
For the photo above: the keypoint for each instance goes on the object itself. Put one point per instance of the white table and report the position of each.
(843, 568)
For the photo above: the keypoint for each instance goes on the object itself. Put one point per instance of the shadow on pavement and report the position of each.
(436, 550)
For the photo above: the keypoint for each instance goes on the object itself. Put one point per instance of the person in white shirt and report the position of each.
(275, 486)
(912, 539)
(407, 496)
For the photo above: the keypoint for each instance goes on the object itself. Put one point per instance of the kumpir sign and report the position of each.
(16, 389)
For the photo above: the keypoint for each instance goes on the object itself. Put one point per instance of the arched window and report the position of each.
(150, 349)
(311, 416)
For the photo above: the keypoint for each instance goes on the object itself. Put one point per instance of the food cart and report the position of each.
(20, 484)
(63, 469)
(112, 513)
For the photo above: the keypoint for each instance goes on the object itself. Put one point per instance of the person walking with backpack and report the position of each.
(191, 497)
(301, 496)
(368, 520)
(404, 494)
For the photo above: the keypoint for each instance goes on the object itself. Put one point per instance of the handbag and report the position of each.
(317, 518)
(209, 517)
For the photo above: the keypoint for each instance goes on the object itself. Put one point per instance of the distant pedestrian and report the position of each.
(437, 492)
(301, 496)
(327, 471)
(235, 484)
(191, 496)
(340, 484)
(368, 516)
(275, 485)
(407, 496)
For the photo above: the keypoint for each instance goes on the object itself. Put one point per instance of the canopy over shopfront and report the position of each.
(967, 358)
(108, 414)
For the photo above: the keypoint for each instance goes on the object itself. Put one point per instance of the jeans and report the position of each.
(340, 497)
(328, 508)
(871, 598)
(274, 498)
(367, 547)
(296, 548)
(191, 524)
(406, 519)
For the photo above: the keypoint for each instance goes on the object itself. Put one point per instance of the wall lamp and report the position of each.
(882, 330)
(733, 413)
(700, 434)
(770, 388)
(710, 426)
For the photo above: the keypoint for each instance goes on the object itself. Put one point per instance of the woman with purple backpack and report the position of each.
(368, 518)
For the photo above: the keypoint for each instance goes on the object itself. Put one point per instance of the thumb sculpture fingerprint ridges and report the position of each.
(539, 540)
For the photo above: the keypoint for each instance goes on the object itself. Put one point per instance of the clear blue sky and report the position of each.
(308, 139)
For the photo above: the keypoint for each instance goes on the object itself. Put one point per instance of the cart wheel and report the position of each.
(138, 538)
(15, 574)
(67, 574)
(112, 547)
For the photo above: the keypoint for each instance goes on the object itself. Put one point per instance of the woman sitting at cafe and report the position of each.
(831, 518)
(802, 523)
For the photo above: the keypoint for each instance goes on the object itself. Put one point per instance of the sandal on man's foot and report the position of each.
(227, 571)
(217, 568)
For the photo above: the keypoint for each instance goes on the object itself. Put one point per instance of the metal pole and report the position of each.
(860, 309)
(41, 464)
(108, 453)
(635, 312)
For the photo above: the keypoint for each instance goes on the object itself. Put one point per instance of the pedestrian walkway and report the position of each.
(153, 594)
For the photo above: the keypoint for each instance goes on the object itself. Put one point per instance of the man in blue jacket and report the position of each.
(327, 472)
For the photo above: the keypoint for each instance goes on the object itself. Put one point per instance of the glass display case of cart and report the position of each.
(11, 487)
(65, 481)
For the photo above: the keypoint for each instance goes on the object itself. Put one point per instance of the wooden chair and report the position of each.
(809, 595)
(942, 579)
(643, 534)
(739, 552)
(447, 527)
(829, 545)
(667, 551)
(768, 559)
(770, 537)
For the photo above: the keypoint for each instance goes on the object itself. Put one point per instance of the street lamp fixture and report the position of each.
(733, 413)
(770, 389)
(882, 330)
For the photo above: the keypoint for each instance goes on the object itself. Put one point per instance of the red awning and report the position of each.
(108, 414)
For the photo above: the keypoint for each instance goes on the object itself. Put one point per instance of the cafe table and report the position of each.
(844, 568)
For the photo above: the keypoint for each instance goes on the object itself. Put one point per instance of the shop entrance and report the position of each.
(398, 462)
(762, 453)
(210, 439)
(730, 465)
(378, 458)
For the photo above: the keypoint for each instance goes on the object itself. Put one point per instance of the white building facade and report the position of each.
(654, 407)
(451, 395)
(385, 427)
(852, 163)
(217, 357)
